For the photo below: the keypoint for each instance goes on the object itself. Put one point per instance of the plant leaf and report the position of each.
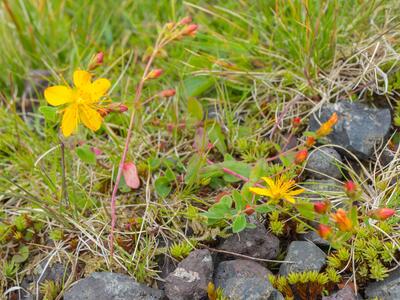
(162, 186)
(195, 109)
(86, 154)
(239, 223)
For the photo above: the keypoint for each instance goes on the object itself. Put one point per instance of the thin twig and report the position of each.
(246, 256)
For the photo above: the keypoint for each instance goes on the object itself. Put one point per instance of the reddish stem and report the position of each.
(136, 105)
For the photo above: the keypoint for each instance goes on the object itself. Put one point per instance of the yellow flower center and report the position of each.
(81, 96)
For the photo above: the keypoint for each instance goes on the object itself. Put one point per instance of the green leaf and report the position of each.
(258, 171)
(22, 255)
(216, 136)
(251, 226)
(263, 208)
(195, 86)
(239, 223)
(86, 155)
(310, 133)
(239, 201)
(49, 113)
(238, 167)
(306, 210)
(193, 169)
(195, 109)
(153, 163)
(226, 201)
(162, 186)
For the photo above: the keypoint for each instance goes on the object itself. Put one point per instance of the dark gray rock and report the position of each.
(323, 163)
(57, 272)
(305, 256)
(191, 277)
(111, 286)
(314, 237)
(276, 295)
(343, 294)
(257, 242)
(359, 127)
(388, 289)
(244, 279)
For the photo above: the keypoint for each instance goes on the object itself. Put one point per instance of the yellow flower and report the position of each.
(278, 189)
(82, 102)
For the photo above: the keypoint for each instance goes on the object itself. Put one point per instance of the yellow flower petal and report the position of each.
(260, 191)
(58, 95)
(70, 120)
(269, 181)
(290, 199)
(296, 192)
(81, 78)
(99, 88)
(90, 117)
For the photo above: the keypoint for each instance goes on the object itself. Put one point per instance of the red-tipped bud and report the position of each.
(154, 74)
(168, 93)
(100, 58)
(113, 107)
(321, 207)
(190, 29)
(123, 108)
(96, 61)
(96, 151)
(310, 141)
(296, 121)
(301, 156)
(170, 127)
(324, 231)
(249, 210)
(382, 213)
(185, 21)
(351, 189)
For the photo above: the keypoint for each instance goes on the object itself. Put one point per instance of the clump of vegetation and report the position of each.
(182, 250)
(310, 285)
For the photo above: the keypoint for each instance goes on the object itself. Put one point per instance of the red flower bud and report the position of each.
(154, 74)
(123, 108)
(170, 127)
(190, 29)
(382, 213)
(249, 210)
(185, 21)
(168, 93)
(96, 151)
(99, 58)
(310, 141)
(296, 121)
(324, 231)
(321, 207)
(351, 189)
(301, 156)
